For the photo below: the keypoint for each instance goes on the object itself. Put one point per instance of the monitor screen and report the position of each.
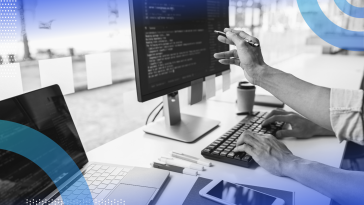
(46, 111)
(174, 43)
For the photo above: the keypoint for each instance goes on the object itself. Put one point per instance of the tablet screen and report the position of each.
(239, 195)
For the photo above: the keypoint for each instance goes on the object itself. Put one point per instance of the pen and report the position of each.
(246, 40)
(196, 160)
(179, 163)
(161, 165)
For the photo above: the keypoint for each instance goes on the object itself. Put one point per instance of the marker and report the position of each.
(246, 40)
(186, 157)
(182, 163)
(161, 165)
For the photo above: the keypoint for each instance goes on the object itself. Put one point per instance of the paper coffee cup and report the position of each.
(245, 97)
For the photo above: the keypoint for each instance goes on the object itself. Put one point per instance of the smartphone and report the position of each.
(233, 194)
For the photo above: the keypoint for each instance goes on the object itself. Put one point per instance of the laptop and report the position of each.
(22, 181)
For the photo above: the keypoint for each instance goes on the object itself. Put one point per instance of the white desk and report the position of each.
(139, 149)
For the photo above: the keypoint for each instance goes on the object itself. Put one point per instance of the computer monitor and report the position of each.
(174, 43)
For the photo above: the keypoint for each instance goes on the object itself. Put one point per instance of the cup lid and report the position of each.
(245, 85)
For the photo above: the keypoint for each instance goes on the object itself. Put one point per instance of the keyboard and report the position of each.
(100, 179)
(221, 149)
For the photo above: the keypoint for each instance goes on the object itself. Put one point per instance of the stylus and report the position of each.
(180, 163)
(180, 155)
(246, 40)
(172, 168)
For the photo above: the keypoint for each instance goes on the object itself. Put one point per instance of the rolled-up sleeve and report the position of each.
(346, 114)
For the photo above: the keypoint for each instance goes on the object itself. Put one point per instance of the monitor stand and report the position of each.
(177, 126)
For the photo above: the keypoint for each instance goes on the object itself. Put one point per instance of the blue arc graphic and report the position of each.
(327, 30)
(349, 9)
(32, 144)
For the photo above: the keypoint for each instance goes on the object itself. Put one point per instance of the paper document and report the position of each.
(226, 80)
(210, 86)
(195, 91)
(57, 71)
(10, 81)
(98, 67)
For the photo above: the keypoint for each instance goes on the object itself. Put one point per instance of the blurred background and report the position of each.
(74, 28)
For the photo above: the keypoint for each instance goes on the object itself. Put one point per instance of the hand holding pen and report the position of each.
(247, 55)
(254, 44)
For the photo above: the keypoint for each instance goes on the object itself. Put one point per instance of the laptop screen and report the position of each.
(46, 111)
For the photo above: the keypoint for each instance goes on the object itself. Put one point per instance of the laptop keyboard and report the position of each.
(221, 149)
(100, 179)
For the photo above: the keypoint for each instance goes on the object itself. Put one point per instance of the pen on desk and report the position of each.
(246, 40)
(186, 157)
(182, 164)
(172, 168)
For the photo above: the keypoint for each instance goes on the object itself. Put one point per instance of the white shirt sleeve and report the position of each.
(346, 114)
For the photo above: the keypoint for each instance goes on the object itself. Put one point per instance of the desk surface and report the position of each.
(139, 149)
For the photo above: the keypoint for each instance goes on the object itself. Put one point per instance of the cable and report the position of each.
(146, 122)
(157, 113)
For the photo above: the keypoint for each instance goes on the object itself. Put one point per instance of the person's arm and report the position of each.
(310, 100)
(345, 187)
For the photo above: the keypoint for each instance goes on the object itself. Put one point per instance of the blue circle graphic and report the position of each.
(42, 151)
(349, 9)
(327, 30)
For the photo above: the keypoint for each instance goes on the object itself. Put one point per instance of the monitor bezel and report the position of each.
(159, 93)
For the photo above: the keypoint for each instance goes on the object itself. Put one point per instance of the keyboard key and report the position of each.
(207, 150)
(105, 174)
(86, 191)
(87, 175)
(104, 167)
(97, 183)
(231, 155)
(92, 187)
(224, 153)
(97, 191)
(106, 181)
(89, 182)
(96, 167)
(91, 179)
(96, 174)
(102, 186)
(116, 171)
(77, 184)
(101, 178)
(110, 177)
(110, 169)
(110, 186)
(119, 177)
(215, 153)
(82, 187)
(89, 167)
(91, 172)
(77, 192)
(115, 181)
(218, 149)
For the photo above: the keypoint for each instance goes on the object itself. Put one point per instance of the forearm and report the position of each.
(310, 100)
(343, 186)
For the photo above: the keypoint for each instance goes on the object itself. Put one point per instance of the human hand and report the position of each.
(301, 127)
(266, 150)
(246, 56)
